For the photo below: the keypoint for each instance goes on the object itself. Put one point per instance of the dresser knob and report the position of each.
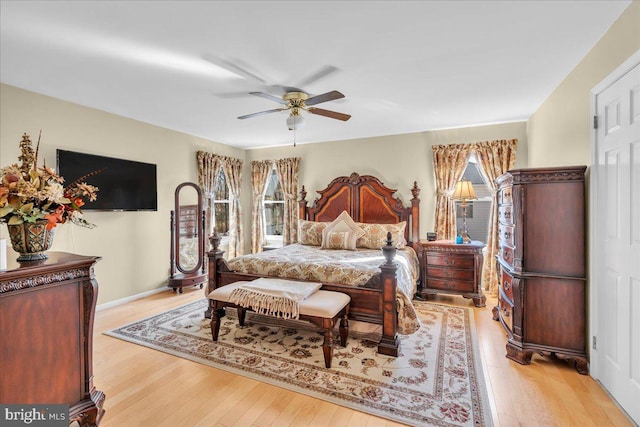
(507, 286)
(505, 312)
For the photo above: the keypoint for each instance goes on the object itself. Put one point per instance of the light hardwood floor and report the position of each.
(145, 387)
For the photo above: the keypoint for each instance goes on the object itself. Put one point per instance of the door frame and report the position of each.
(595, 250)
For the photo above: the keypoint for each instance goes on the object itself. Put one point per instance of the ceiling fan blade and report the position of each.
(328, 113)
(270, 97)
(321, 73)
(261, 113)
(234, 68)
(329, 96)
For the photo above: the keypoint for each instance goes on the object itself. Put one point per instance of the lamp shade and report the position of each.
(464, 191)
(295, 121)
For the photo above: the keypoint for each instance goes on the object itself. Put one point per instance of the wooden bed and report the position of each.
(367, 200)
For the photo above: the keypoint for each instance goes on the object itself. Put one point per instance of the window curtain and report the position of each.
(233, 171)
(208, 169)
(449, 163)
(288, 170)
(494, 159)
(260, 171)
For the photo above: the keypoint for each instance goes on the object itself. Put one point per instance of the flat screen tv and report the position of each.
(123, 185)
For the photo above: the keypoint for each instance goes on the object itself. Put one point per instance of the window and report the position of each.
(221, 204)
(477, 210)
(274, 210)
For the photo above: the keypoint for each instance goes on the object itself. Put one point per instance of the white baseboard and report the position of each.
(131, 298)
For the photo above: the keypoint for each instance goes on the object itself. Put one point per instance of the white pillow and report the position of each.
(342, 224)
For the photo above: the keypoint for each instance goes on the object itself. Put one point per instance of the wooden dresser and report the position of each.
(541, 263)
(450, 268)
(46, 323)
(188, 221)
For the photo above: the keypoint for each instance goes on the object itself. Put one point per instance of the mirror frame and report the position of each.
(175, 235)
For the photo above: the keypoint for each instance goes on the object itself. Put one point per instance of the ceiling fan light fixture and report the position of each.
(295, 121)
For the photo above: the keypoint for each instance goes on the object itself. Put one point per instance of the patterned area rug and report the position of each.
(437, 380)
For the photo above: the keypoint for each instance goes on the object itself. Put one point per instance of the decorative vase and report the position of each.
(31, 239)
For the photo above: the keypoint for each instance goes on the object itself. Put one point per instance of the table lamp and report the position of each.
(464, 191)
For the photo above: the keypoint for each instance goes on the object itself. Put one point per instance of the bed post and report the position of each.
(389, 343)
(214, 255)
(302, 204)
(415, 215)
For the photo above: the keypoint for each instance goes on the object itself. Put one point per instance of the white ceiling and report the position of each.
(403, 66)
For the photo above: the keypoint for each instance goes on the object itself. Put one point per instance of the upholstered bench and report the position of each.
(322, 308)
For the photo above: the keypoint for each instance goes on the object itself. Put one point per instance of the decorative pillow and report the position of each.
(310, 232)
(339, 240)
(376, 235)
(343, 223)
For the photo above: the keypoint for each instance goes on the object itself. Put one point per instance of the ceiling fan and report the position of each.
(298, 101)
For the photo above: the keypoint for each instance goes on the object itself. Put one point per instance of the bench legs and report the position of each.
(344, 330)
(325, 323)
(327, 345)
(242, 313)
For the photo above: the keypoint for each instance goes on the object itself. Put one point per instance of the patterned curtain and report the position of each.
(260, 171)
(494, 159)
(208, 169)
(288, 170)
(449, 162)
(233, 172)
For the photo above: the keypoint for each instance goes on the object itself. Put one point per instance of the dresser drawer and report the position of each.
(449, 273)
(506, 311)
(507, 285)
(188, 217)
(507, 254)
(506, 234)
(505, 214)
(450, 260)
(504, 196)
(450, 285)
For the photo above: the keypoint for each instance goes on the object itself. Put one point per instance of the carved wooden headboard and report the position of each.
(366, 199)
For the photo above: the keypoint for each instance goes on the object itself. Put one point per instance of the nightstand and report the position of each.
(450, 268)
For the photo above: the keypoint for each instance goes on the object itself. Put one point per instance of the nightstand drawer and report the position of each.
(448, 273)
(451, 285)
(450, 261)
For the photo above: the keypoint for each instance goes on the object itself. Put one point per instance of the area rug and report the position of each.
(436, 381)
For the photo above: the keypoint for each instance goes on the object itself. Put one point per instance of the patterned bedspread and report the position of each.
(355, 268)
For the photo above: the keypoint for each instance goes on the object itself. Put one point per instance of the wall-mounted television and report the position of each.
(123, 185)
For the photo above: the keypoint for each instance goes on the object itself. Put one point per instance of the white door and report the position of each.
(616, 248)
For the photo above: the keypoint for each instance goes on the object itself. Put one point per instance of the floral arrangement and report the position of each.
(29, 193)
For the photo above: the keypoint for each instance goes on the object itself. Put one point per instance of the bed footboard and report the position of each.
(375, 304)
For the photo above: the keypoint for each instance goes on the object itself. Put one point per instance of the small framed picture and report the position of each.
(432, 236)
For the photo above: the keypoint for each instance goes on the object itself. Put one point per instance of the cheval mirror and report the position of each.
(188, 266)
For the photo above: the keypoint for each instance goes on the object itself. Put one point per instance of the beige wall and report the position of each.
(134, 246)
(398, 160)
(559, 131)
